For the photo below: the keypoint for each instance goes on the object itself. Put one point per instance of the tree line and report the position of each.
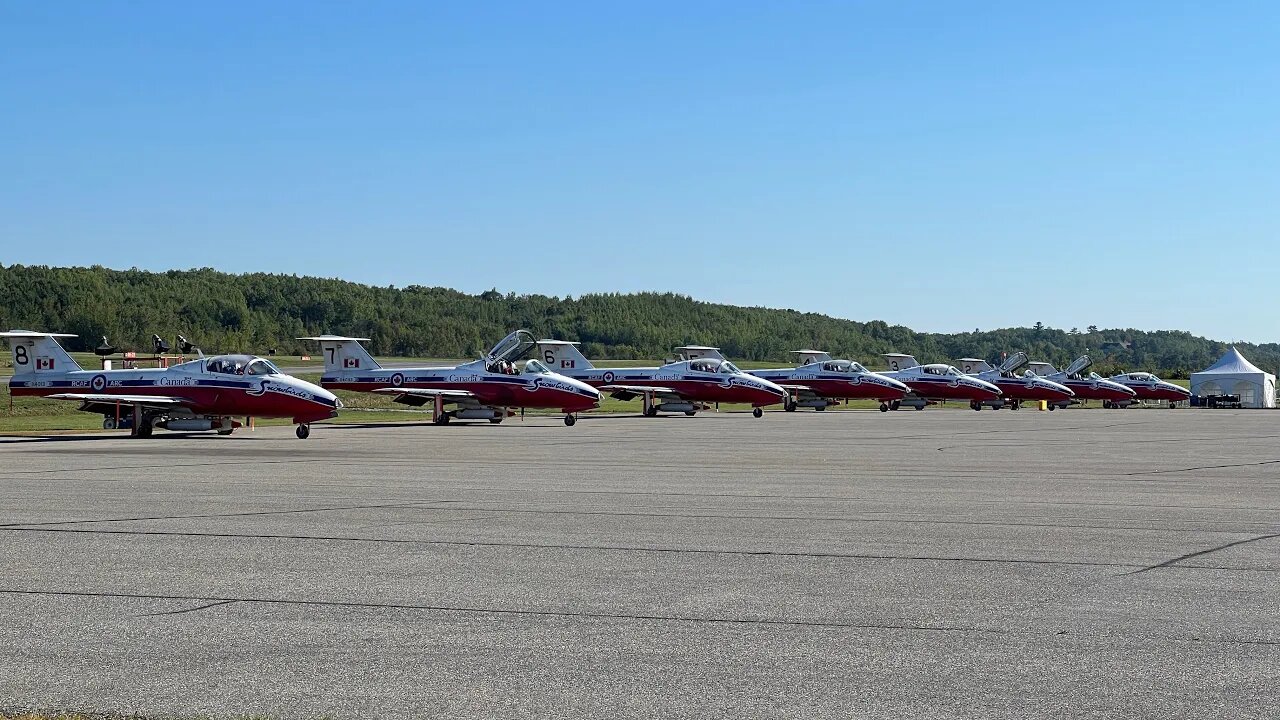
(261, 313)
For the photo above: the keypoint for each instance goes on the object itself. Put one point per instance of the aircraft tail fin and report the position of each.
(694, 352)
(1041, 369)
(969, 366)
(1081, 364)
(562, 355)
(36, 353)
(808, 357)
(900, 361)
(344, 354)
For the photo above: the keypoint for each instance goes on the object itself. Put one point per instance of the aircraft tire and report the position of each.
(884, 407)
(977, 406)
(443, 419)
(145, 430)
(918, 407)
(1052, 407)
(651, 412)
(757, 412)
(570, 420)
(496, 420)
(820, 408)
(303, 432)
(690, 413)
(789, 407)
(1106, 404)
(109, 423)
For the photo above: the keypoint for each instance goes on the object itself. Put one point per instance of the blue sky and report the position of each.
(946, 166)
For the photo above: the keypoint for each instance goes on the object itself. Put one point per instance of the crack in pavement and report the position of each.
(1199, 553)
(1203, 467)
(214, 601)
(193, 609)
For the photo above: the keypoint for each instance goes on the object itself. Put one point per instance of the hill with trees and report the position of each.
(261, 312)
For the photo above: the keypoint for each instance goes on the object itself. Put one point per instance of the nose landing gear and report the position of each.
(757, 412)
(303, 432)
(570, 420)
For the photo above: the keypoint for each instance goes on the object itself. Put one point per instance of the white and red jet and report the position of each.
(1149, 387)
(702, 377)
(1091, 387)
(819, 381)
(1016, 389)
(934, 382)
(485, 389)
(202, 394)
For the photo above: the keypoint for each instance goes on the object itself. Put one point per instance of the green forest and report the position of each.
(263, 313)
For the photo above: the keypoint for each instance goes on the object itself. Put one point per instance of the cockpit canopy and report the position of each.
(713, 365)
(1142, 377)
(239, 365)
(535, 367)
(940, 370)
(843, 366)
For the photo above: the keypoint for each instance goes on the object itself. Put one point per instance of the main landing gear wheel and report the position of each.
(651, 412)
(496, 420)
(690, 413)
(918, 407)
(1052, 407)
(820, 408)
(443, 419)
(895, 404)
(570, 420)
(884, 407)
(109, 423)
(1106, 404)
(976, 406)
(757, 412)
(303, 432)
(789, 407)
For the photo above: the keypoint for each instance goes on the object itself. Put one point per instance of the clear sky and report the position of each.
(942, 165)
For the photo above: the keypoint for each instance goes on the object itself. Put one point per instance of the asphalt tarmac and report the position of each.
(936, 564)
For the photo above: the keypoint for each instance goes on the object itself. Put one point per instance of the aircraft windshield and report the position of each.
(857, 367)
(729, 368)
(535, 367)
(262, 367)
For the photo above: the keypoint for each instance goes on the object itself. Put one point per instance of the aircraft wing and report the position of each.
(422, 396)
(627, 392)
(156, 401)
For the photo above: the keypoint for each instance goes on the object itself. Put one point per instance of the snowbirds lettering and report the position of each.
(1086, 387)
(701, 377)
(485, 389)
(930, 383)
(819, 381)
(201, 394)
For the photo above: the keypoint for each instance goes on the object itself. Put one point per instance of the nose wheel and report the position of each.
(570, 420)
(303, 432)
(757, 412)
(884, 407)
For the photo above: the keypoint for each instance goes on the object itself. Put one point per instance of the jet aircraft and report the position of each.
(1016, 389)
(819, 381)
(484, 389)
(1090, 387)
(1149, 387)
(701, 377)
(930, 383)
(201, 394)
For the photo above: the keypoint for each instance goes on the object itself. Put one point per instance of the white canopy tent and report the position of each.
(1233, 375)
